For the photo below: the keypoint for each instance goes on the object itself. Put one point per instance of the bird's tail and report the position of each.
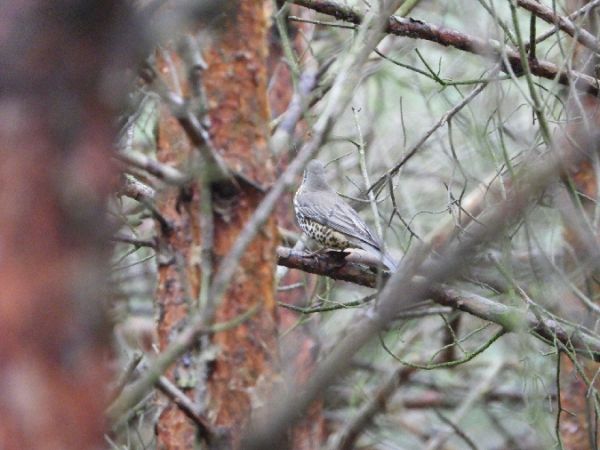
(389, 261)
(382, 256)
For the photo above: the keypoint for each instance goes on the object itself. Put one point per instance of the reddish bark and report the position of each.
(236, 87)
(575, 419)
(55, 141)
(178, 271)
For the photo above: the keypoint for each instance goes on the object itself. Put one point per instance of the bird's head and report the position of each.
(314, 176)
(316, 167)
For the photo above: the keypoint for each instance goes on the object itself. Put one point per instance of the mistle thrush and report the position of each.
(325, 217)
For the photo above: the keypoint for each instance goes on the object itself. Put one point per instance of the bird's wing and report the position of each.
(332, 211)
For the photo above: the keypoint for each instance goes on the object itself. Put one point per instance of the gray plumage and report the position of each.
(325, 217)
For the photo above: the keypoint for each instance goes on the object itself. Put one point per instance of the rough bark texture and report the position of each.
(178, 264)
(236, 87)
(55, 142)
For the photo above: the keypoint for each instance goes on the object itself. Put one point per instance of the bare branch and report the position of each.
(377, 403)
(585, 9)
(402, 291)
(189, 121)
(341, 92)
(166, 173)
(332, 265)
(543, 12)
(187, 406)
(417, 29)
(472, 397)
(509, 317)
(180, 344)
(134, 241)
(445, 118)
(135, 189)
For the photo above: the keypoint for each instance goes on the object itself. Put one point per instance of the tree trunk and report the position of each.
(178, 243)
(56, 135)
(235, 83)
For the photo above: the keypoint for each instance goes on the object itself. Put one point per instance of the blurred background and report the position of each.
(138, 141)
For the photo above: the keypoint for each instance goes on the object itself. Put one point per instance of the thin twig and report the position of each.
(365, 174)
(563, 23)
(400, 292)
(280, 141)
(457, 430)
(127, 374)
(378, 185)
(377, 402)
(186, 405)
(320, 22)
(580, 12)
(510, 318)
(178, 346)
(490, 49)
(341, 92)
(135, 189)
(199, 136)
(134, 241)
(527, 71)
(166, 173)
(473, 396)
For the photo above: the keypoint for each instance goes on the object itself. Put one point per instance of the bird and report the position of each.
(324, 216)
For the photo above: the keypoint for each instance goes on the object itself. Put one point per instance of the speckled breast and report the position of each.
(324, 235)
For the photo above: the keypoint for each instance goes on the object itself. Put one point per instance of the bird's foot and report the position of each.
(338, 257)
(335, 256)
